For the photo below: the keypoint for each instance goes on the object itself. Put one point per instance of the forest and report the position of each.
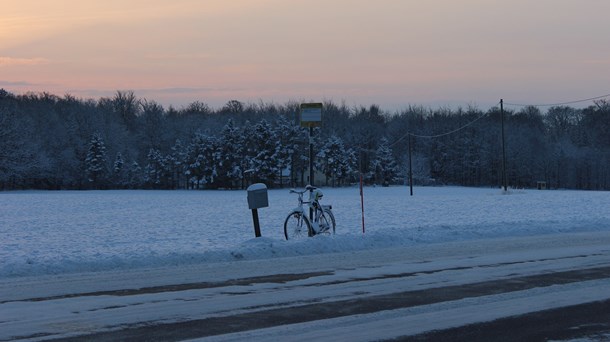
(124, 142)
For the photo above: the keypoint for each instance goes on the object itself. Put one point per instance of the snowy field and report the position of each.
(46, 233)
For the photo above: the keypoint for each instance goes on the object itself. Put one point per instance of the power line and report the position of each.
(450, 132)
(557, 104)
(484, 114)
(439, 135)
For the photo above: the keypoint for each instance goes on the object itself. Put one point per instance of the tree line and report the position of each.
(126, 142)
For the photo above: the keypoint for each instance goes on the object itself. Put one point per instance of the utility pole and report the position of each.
(311, 181)
(410, 166)
(361, 189)
(503, 148)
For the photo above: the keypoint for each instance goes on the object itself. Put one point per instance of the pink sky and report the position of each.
(387, 52)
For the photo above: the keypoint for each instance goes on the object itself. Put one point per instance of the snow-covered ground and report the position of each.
(101, 262)
(67, 232)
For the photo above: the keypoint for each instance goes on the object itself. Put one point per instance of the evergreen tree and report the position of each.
(135, 176)
(287, 147)
(335, 160)
(95, 162)
(348, 169)
(159, 170)
(200, 160)
(118, 164)
(119, 172)
(15, 152)
(249, 152)
(178, 158)
(260, 143)
(384, 165)
(264, 164)
(228, 156)
(153, 169)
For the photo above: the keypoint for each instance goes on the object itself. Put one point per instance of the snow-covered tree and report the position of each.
(200, 163)
(264, 163)
(289, 137)
(384, 165)
(120, 175)
(15, 156)
(95, 161)
(335, 160)
(158, 173)
(229, 152)
(118, 164)
(135, 176)
(153, 169)
(178, 160)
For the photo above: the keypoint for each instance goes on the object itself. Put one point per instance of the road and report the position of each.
(535, 288)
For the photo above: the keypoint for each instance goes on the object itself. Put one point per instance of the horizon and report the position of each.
(574, 103)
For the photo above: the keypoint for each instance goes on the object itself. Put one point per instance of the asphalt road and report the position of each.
(549, 288)
(567, 322)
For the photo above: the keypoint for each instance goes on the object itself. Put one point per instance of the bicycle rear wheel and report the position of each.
(325, 226)
(297, 226)
(330, 217)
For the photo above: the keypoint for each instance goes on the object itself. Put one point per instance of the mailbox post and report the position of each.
(257, 198)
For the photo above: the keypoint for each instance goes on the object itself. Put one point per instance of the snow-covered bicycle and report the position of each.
(298, 224)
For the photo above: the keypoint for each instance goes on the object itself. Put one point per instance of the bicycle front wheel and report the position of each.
(297, 226)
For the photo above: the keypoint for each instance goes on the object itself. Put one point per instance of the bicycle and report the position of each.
(298, 224)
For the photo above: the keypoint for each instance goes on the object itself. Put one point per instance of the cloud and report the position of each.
(156, 91)
(16, 84)
(12, 61)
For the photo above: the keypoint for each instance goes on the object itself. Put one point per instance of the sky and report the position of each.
(393, 53)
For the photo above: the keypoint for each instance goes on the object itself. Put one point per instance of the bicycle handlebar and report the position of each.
(307, 188)
(301, 193)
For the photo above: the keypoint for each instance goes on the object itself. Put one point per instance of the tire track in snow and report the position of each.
(327, 310)
(276, 278)
(282, 279)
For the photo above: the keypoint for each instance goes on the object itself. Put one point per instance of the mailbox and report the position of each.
(257, 196)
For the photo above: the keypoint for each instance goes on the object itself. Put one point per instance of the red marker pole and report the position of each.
(362, 202)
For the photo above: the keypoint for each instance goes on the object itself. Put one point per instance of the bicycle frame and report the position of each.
(318, 213)
(300, 208)
(301, 202)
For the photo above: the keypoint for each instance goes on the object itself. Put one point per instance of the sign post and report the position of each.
(311, 116)
(257, 198)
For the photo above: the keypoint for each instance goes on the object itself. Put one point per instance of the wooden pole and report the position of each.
(410, 166)
(504, 181)
(361, 188)
(257, 226)
(311, 180)
(362, 202)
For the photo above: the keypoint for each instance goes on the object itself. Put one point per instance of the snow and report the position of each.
(257, 186)
(420, 319)
(57, 246)
(71, 231)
